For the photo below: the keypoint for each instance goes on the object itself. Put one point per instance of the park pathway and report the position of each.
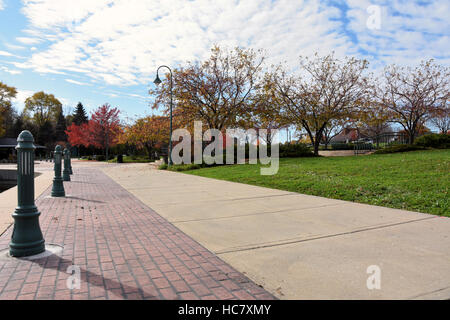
(124, 250)
(300, 246)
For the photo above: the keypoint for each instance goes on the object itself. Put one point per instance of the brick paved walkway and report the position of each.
(124, 250)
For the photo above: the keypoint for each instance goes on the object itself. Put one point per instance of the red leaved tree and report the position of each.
(104, 127)
(78, 135)
(101, 131)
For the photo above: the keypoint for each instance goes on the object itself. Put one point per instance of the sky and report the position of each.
(107, 51)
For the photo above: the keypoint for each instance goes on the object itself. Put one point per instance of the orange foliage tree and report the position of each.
(217, 91)
(149, 133)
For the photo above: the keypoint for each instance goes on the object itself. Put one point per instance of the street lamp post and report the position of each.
(157, 82)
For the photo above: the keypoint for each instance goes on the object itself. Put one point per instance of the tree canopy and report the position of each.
(413, 96)
(328, 89)
(7, 93)
(42, 107)
(149, 133)
(216, 91)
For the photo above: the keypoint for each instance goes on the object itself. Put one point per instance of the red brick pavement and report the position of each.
(124, 250)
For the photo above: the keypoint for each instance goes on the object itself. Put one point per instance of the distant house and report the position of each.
(8, 148)
(346, 136)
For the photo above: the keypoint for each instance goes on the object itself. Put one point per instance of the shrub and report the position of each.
(400, 148)
(100, 157)
(439, 141)
(120, 158)
(89, 157)
(342, 146)
(163, 166)
(295, 150)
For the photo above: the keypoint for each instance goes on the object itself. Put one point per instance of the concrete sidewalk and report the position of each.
(299, 246)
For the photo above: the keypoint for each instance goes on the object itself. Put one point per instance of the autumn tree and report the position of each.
(216, 91)
(264, 115)
(326, 89)
(149, 133)
(102, 131)
(413, 95)
(6, 95)
(78, 135)
(43, 107)
(104, 127)
(441, 119)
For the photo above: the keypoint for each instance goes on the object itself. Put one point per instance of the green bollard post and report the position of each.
(70, 162)
(58, 186)
(26, 239)
(66, 171)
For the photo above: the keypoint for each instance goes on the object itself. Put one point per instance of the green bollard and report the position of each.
(58, 186)
(70, 163)
(27, 239)
(66, 171)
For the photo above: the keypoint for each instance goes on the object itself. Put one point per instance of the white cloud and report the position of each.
(409, 31)
(22, 95)
(4, 53)
(11, 71)
(13, 46)
(122, 42)
(26, 40)
(2, 5)
(77, 82)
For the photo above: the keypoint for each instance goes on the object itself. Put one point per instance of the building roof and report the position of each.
(348, 134)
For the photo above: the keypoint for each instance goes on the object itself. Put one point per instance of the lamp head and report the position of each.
(157, 80)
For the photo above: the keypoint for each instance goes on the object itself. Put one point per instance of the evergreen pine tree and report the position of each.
(61, 127)
(80, 115)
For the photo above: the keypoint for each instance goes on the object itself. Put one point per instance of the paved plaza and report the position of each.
(139, 233)
(123, 249)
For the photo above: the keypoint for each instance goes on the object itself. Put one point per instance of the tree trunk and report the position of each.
(316, 146)
(149, 151)
(411, 136)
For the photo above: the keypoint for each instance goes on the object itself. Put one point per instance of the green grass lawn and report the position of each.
(417, 181)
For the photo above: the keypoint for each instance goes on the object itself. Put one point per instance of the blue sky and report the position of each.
(98, 51)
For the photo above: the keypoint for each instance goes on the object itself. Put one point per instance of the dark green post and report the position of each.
(70, 162)
(58, 186)
(66, 171)
(27, 239)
